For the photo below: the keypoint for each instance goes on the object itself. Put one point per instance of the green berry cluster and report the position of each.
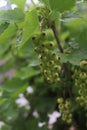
(65, 109)
(49, 61)
(80, 76)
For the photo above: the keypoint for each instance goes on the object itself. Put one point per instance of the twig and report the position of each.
(56, 36)
(66, 69)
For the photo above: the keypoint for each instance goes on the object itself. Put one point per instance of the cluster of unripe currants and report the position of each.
(49, 61)
(65, 108)
(80, 77)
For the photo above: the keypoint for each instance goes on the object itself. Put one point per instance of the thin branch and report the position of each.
(66, 68)
(56, 36)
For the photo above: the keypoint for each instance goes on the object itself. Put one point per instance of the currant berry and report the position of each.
(60, 100)
(83, 64)
(83, 75)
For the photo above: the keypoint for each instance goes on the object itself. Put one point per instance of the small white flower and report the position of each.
(3, 3)
(1, 124)
(29, 90)
(13, 6)
(22, 101)
(41, 124)
(53, 117)
(35, 114)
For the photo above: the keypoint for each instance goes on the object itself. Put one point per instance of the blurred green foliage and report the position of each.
(19, 65)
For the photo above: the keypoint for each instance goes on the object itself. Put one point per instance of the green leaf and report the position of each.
(32, 124)
(8, 33)
(20, 90)
(19, 3)
(62, 5)
(27, 49)
(12, 16)
(13, 85)
(26, 72)
(75, 57)
(3, 26)
(11, 112)
(78, 31)
(75, 25)
(54, 16)
(31, 25)
(82, 39)
(2, 101)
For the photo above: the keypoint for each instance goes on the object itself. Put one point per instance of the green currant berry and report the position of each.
(82, 98)
(43, 35)
(61, 106)
(57, 58)
(69, 121)
(41, 68)
(37, 49)
(57, 67)
(64, 117)
(45, 51)
(70, 115)
(60, 100)
(51, 44)
(82, 85)
(45, 72)
(67, 104)
(58, 80)
(67, 112)
(49, 80)
(56, 75)
(83, 75)
(41, 64)
(76, 83)
(78, 99)
(43, 45)
(83, 64)
(53, 54)
(51, 62)
(36, 40)
(40, 57)
(81, 92)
